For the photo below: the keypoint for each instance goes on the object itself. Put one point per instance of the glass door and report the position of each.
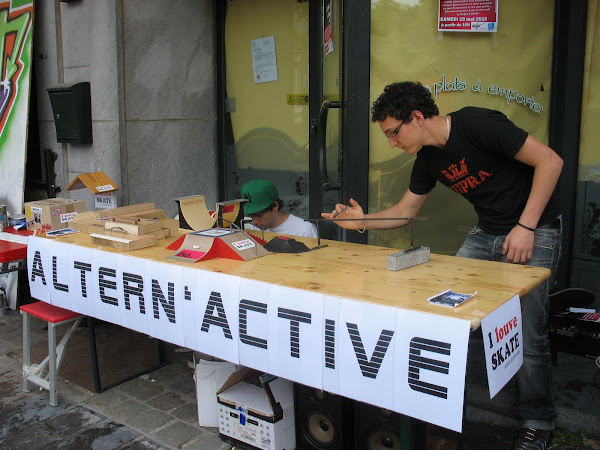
(276, 81)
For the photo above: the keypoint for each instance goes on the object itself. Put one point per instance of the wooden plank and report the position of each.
(123, 241)
(124, 210)
(147, 214)
(133, 225)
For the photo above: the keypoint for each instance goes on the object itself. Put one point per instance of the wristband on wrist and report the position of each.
(364, 227)
(526, 227)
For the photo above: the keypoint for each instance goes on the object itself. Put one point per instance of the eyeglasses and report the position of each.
(394, 133)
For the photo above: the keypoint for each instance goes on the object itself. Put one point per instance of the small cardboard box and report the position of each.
(52, 213)
(257, 410)
(210, 376)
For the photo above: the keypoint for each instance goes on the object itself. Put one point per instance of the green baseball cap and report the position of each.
(260, 195)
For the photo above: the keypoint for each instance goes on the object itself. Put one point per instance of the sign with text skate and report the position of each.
(216, 242)
(503, 344)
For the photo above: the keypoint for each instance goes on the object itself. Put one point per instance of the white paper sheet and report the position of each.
(295, 331)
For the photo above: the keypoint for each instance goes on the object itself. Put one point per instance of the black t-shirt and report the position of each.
(478, 163)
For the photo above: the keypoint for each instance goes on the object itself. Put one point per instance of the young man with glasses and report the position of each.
(509, 177)
(264, 207)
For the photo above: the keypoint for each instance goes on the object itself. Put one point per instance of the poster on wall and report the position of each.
(467, 15)
(327, 28)
(16, 22)
(264, 59)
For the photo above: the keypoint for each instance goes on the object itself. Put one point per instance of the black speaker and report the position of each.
(382, 429)
(324, 421)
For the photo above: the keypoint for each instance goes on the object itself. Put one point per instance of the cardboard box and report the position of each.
(210, 376)
(52, 213)
(258, 411)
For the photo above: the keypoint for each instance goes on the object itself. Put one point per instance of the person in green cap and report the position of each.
(264, 207)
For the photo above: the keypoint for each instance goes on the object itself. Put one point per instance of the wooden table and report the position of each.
(357, 271)
(205, 306)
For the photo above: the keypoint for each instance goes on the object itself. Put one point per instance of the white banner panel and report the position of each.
(80, 276)
(165, 318)
(131, 280)
(331, 336)
(108, 300)
(367, 344)
(295, 332)
(216, 315)
(59, 255)
(188, 306)
(502, 343)
(431, 357)
(38, 268)
(253, 320)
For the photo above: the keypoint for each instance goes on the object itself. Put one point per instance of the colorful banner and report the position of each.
(16, 30)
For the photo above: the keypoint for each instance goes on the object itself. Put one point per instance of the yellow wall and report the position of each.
(405, 45)
(278, 129)
(589, 154)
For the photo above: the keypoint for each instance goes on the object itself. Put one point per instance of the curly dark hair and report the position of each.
(399, 100)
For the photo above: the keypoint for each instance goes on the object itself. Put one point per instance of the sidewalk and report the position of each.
(159, 410)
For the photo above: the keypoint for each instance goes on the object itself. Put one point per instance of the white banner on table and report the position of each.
(60, 290)
(38, 268)
(331, 336)
(188, 306)
(217, 315)
(502, 342)
(165, 318)
(367, 345)
(253, 320)
(108, 299)
(295, 331)
(137, 306)
(430, 360)
(80, 276)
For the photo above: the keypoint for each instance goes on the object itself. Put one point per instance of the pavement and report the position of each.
(159, 410)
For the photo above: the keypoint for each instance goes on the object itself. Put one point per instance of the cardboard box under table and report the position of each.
(259, 415)
(52, 213)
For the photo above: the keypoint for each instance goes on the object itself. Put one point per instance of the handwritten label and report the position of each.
(106, 187)
(67, 217)
(105, 200)
(190, 254)
(35, 209)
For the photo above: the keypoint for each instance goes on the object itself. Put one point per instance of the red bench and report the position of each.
(55, 316)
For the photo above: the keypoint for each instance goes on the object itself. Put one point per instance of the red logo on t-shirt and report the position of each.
(463, 181)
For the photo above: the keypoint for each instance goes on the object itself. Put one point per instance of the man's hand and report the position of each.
(352, 211)
(518, 245)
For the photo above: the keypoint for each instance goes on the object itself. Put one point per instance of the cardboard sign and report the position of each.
(503, 344)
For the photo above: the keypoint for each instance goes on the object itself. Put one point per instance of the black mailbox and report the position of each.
(72, 109)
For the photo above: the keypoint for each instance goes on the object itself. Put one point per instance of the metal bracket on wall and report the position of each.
(49, 159)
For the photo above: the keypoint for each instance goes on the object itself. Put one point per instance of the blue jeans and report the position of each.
(535, 400)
